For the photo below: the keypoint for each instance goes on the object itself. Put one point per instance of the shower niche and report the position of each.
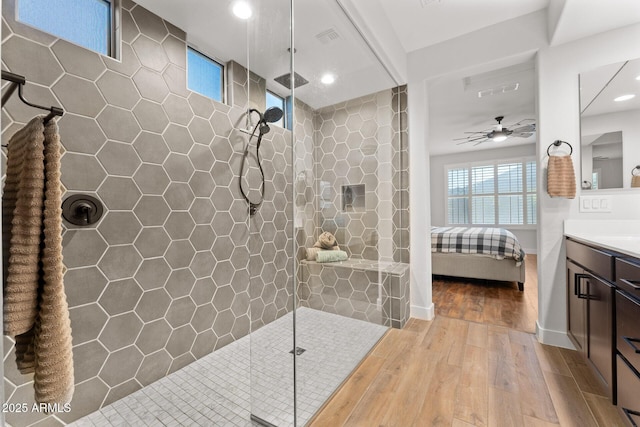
(353, 198)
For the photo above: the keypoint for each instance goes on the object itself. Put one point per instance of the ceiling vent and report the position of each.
(328, 36)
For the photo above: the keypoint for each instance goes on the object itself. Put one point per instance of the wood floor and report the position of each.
(458, 372)
(494, 303)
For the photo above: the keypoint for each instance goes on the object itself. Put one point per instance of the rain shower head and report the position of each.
(285, 80)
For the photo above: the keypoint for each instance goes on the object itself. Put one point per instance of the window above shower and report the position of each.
(277, 101)
(68, 20)
(205, 75)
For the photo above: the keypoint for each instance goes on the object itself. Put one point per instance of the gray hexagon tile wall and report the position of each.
(163, 279)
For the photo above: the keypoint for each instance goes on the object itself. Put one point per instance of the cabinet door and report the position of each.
(600, 330)
(576, 306)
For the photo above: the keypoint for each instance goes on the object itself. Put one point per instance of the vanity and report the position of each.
(603, 305)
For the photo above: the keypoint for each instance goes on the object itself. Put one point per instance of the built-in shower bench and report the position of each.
(376, 291)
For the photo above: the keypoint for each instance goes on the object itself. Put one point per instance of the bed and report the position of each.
(477, 253)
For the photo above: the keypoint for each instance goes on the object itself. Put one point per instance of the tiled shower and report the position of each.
(176, 269)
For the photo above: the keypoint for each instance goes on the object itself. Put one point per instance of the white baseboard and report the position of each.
(554, 338)
(424, 313)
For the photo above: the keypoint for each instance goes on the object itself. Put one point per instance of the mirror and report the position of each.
(610, 126)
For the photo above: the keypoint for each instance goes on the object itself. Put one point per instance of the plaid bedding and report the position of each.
(496, 242)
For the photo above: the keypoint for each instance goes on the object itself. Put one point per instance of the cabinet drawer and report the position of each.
(599, 262)
(628, 392)
(628, 329)
(628, 276)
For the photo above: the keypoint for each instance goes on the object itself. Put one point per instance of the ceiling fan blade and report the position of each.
(523, 121)
(525, 129)
(480, 142)
(523, 135)
(483, 139)
(471, 138)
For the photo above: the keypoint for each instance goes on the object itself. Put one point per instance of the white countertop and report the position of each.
(617, 235)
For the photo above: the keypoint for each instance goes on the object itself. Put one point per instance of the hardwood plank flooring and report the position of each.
(490, 302)
(456, 372)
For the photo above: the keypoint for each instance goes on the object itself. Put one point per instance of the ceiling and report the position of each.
(421, 23)
(325, 41)
(454, 106)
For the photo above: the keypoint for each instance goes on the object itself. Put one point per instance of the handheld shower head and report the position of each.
(272, 114)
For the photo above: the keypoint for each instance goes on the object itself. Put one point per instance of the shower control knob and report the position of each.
(82, 209)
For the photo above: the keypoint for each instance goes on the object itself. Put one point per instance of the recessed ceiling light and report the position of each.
(638, 77)
(242, 10)
(624, 98)
(328, 79)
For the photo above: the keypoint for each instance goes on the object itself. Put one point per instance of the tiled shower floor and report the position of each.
(216, 389)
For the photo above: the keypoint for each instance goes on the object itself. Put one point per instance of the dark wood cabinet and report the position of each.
(600, 346)
(628, 357)
(590, 302)
(603, 320)
(576, 307)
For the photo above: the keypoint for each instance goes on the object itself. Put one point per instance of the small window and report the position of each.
(204, 75)
(88, 23)
(274, 100)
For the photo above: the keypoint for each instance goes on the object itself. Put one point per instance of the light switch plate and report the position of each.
(595, 204)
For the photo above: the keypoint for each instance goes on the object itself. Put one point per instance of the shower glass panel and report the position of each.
(349, 180)
(267, 181)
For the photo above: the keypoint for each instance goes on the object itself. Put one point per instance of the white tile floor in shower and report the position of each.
(224, 388)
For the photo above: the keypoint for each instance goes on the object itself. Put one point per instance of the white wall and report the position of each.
(517, 39)
(558, 118)
(419, 202)
(527, 237)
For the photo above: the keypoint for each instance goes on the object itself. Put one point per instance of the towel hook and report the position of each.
(19, 81)
(557, 143)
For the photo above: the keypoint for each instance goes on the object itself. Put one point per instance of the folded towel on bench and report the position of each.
(331, 256)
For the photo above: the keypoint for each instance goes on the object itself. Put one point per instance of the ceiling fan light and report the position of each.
(499, 137)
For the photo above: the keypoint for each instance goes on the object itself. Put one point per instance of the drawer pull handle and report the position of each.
(578, 285)
(631, 341)
(630, 283)
(628, 413)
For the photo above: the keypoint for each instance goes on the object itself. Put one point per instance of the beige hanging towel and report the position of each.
(561, 179)
(36, 313)
(635, 179)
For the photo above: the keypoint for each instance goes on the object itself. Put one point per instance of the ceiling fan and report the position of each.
(522, 129)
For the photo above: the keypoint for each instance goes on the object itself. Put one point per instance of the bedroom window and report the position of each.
(497, 193)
